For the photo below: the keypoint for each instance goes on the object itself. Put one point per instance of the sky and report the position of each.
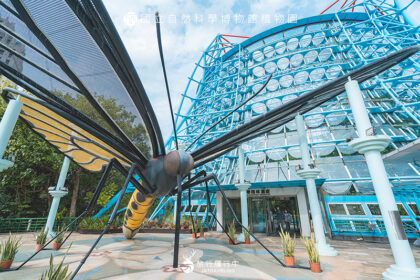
(187, 27)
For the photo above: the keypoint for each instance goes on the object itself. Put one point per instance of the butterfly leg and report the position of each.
(113, 214)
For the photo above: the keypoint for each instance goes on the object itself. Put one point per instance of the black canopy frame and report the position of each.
(116, 55)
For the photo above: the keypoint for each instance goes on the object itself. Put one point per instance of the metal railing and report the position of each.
(30, 224)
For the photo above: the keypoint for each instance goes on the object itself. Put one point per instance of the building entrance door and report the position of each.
(268, 214)
(258, 214)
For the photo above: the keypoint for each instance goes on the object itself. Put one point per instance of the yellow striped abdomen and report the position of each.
(135, 213)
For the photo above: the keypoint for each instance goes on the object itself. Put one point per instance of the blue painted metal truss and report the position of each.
(302, 56)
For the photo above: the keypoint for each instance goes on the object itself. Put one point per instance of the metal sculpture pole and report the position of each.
(371, 145)
(57, 194)
(177, 222)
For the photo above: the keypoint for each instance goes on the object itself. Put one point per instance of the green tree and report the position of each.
(123, 118)
(24, 187)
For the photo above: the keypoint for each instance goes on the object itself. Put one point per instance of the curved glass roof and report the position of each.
(303, 57)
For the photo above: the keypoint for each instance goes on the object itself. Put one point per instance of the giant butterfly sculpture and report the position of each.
(64, 49)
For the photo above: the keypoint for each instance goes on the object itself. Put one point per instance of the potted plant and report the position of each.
(56, 271)
(8, 250)
(313, 254)
(184, 222)
(201, 227)
(231, 232)
(194, 232)
(288, 245)
(247, 236)
(58, 241)
(41, 239)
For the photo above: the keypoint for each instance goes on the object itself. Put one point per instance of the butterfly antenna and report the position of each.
(164, 74)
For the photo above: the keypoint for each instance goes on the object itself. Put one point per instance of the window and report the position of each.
(194, 208)
(202, 208)
(374, 209)
(402, 210)
(355, 209)
(343, 225)
(414, 208)
(212, 207)
(361, 225)
(187, 208)
(337, 209)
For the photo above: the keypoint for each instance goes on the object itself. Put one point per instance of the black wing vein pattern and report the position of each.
(69, 53)
(86, 146)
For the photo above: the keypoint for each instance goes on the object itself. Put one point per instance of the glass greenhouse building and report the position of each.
(300, 57)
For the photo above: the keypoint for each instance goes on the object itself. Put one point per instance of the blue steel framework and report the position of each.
(302, 56)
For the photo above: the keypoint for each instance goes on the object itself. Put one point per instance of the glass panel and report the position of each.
(361, 225)
(202, 208)
(414, 208)
(343, 225)
(355, 209)
(374, 209)
(227, 214)
(409, 227)
(358, 169)
(333, 170)
(194, 208)
(337, 209)
(402, 210)
(257, 215)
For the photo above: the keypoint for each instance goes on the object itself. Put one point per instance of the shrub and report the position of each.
(42, 236)
(58, 272)
(232, 230)
(311, 249)
(288, 244)
(97, 223)
(60, 237)
(246, 234)
(9, 248)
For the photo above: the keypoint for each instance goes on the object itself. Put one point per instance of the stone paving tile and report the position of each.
(147, 256)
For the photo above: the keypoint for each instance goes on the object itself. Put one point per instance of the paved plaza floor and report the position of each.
(149, 256)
